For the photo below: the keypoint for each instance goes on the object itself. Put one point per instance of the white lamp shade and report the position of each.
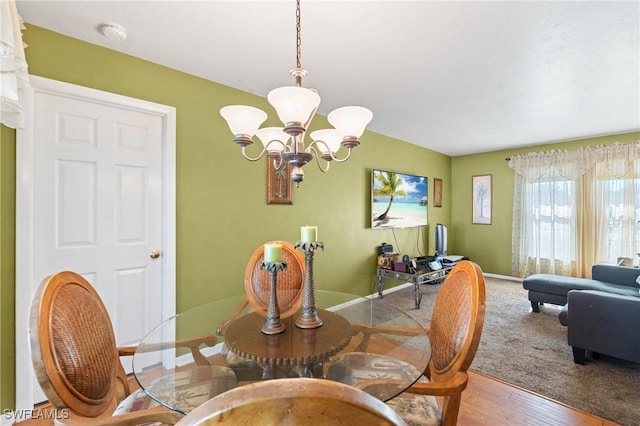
(294, 104)
(275, 135)
(243, 120)
(331, 137)
(350, 120)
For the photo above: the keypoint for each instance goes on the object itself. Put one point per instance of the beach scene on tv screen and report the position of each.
(398, 200)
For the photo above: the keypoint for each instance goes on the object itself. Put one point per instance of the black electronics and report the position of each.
(385, 248)
(422, 262)
(441, 239)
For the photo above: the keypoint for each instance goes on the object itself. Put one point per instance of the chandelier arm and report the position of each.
(337, 160)
(311, 116)
(244, 154)
(315, 154)
(265, 149)
(333, 157)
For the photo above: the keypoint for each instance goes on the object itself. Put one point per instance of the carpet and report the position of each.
(530, 350)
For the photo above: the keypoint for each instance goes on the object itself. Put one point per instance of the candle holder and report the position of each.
(308, 316)
(273, 325)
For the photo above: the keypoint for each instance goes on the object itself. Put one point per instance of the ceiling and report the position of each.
(455, 77)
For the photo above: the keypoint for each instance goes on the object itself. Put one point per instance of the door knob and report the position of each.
(154, 254)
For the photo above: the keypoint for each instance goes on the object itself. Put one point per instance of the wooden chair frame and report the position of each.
(455, 329)
(458, 312)
(294, 401)
(76, 359)
(256, 285)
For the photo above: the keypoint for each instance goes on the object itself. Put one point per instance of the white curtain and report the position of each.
(13, 65)
(575, 208)
(618, 189)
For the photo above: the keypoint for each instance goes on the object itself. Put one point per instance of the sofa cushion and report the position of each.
(560, 285)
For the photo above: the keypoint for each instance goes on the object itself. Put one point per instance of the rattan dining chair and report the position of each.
(454, 333)
(256, 284)
(76, 360)
(299, 401)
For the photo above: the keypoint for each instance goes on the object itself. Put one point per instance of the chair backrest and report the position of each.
(296, 401)
(457, 321)
(73, 346)
(290, 281)
(454, 332)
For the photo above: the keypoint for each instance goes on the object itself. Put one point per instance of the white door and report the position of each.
(95, 196)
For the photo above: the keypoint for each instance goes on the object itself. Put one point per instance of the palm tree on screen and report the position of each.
(391, 185)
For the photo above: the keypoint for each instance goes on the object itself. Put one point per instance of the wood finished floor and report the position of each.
(491, 402)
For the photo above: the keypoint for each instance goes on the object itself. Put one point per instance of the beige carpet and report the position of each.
(530, 350)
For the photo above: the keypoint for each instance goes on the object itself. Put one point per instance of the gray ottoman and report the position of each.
(547, 288)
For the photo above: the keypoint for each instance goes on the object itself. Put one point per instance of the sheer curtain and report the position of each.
(13, 65)
(575, 208)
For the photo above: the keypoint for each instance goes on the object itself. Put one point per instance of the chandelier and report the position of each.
(296, 106)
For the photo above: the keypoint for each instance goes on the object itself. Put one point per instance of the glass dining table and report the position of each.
(199, 353)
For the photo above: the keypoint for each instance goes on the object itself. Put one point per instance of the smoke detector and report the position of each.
(113, 31)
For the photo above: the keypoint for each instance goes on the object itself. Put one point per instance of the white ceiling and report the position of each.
(456, 77)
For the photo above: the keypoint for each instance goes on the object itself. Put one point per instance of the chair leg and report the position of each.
(450, 410)
(578, 355)
(535, 306)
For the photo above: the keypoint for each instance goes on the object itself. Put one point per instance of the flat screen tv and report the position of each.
(398, 200)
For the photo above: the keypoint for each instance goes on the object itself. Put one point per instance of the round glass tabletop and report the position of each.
(208, 349)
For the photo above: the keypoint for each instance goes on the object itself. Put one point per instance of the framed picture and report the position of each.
(481, 202)
(437, 192)
(279, 185)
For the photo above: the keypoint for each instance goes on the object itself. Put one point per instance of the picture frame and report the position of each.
(279, 185)
(481, 199)
(437, 192)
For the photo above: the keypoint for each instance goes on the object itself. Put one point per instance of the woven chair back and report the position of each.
(73, 346)
(290, 281)
(457, 321)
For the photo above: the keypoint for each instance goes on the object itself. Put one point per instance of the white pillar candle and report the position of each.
(273, 252)
(309, 234)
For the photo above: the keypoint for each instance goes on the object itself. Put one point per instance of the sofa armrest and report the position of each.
(621, 275)
(605, 323)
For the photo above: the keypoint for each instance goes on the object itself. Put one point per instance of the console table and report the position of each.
(421, 276)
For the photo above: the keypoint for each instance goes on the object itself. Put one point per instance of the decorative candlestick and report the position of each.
(273, 325)
(308, 316)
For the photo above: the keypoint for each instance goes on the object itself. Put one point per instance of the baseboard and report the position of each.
(408, 284)
(503, 277)
(391, 290)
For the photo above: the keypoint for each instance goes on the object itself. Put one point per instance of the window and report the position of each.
(575, 208)
(620, 224)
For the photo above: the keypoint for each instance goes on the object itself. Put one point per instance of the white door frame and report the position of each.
(25, 281)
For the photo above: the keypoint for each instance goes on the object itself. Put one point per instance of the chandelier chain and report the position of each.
(298, 38)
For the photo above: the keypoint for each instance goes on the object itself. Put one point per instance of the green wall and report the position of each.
(7, 269)
(222, 215)
(490, 245)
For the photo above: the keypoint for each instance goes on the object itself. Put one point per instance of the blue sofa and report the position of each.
(602, 314)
